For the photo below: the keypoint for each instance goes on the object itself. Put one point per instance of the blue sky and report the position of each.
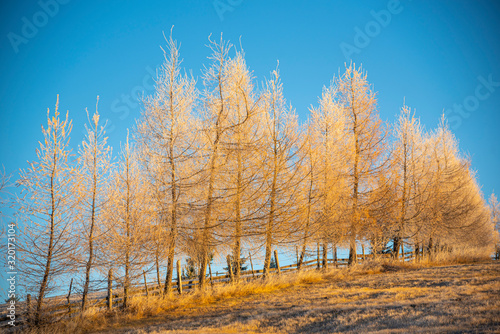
(435, 55)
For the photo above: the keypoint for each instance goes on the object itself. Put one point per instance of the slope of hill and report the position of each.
(453, 298)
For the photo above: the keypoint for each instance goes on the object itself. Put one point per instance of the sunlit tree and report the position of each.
(328, 126)
(362, 140)
(215, 125)
(94, 164)
(47, 208)
(167, 135)
(127, 218)
(279, 153)
(407, 168)
(240, 146)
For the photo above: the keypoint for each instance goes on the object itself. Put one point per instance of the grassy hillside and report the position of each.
(369, 298)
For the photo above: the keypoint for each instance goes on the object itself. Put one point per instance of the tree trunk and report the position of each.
(210, 274)
(110, 289)
(69, 296)
(251, 264)
(170, 269)
(416, 252)
(45, 279)
(90, 260)
(354, 220)
(325, 255)
(179, 277)
(278, 269)
(157, 264)
(335, 254)
(145, 283)
(237, 240)
(28, 308)
(173, 213)
(396, 244)
(318, 263)
(352, 251)
(308, 220)
(270, 223)
(126, 285)
(229, 268)
(207, 222)
(430, 250)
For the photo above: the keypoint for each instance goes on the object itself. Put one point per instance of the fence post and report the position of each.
(277, 261)
(415, 250)
(403, 249)
(179, 277)
(68, 297)
(110, 289)
(363, 250)
(335, 254)
(229, 268)
(28, 307)
(210, 273)
(145, 283)
(297, 254)
(317, 255)
(251, 264)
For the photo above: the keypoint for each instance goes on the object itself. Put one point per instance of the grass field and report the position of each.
(378, 298)
(388, 297)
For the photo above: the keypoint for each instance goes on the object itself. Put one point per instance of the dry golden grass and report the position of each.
(388, 296)
(147, 306)
(141, 307)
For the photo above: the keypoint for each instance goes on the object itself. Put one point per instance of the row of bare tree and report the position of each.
(229, 168)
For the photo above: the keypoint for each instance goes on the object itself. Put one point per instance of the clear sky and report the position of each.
(435, 55)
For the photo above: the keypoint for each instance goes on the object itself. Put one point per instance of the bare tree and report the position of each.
(279, 153)
(408, 169)
(215, 127)
(167, 135)
(309, 194)
(363, 141)
(240, 146)
(94, 162)
(328, 123)
(46, 205)
(455, 211)
(127, 217)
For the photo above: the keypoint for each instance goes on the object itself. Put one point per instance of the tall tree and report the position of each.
(280, 168)
(240, 146)
(127, 216)
(309, 194)
(455, 206)
(363, 141)
(328, 124)
(408, 166)
(47, 207)
(167, 135)
(94, 163)
(216, 124)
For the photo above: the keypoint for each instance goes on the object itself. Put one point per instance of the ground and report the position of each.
(455, 298)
